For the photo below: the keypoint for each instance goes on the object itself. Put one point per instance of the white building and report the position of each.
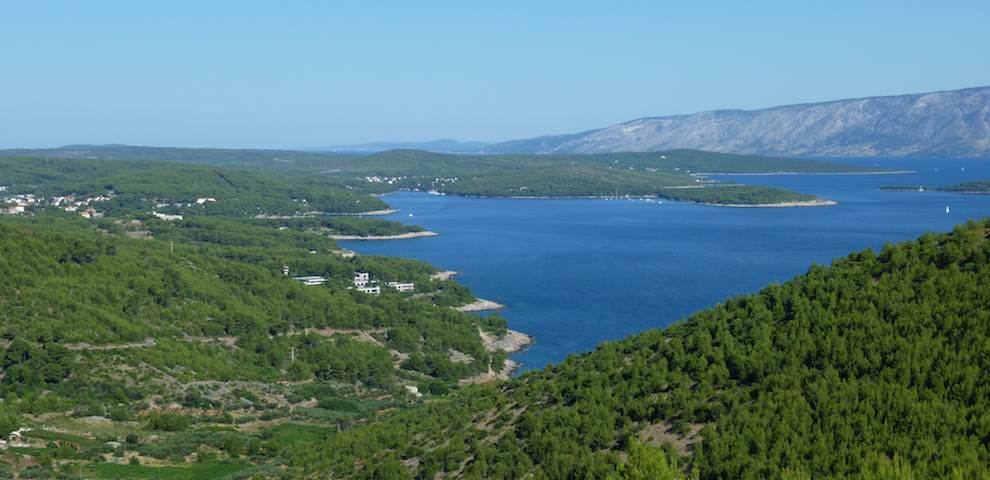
(311, 280)
(370, 290)
(361, 279)
(167, 218)
(402, 287)
(203, 200)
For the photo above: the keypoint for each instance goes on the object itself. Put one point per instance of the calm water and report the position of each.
(576, 272)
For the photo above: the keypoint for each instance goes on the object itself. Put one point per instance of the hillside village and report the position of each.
(85, 206)
(20, 203)
(362, 282)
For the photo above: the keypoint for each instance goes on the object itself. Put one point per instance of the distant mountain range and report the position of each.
(949, 124)
(941, 124)
(443, 145)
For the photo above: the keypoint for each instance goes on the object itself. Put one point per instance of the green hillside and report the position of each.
(175, 188)
(226, 157)
(661, 174)
(185, 337)
(614, 174)
(874, 367)
(139, 347)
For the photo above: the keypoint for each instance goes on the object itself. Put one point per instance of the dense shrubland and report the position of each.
(874, 367)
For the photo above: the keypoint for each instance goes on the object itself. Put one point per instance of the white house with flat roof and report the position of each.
(311, 280)
(166, 217)
(402, 287)
(361, 279)
(370, 290)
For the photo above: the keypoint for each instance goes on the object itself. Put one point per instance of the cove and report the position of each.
(574, 273)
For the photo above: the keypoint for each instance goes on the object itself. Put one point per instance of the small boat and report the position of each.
(946, 209)
(410, 214)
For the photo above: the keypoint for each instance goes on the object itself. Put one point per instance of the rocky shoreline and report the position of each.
(769, 174)
(400, 236)
(480, 305)
(510, 342)
(386, 211)
(818, 202)
(444, 275)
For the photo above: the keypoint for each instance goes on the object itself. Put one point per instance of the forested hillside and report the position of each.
(874, 367)
(134, 345)
(186, 338)
(228, 157)
(299, 175)
(178, 188)
(673, 175)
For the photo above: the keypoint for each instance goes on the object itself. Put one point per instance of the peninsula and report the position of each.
(663, 174)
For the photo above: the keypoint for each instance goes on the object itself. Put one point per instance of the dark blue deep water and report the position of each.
(573, 273)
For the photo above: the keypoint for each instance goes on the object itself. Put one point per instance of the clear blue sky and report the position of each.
(303, 74)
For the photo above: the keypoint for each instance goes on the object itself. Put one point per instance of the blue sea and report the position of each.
(574, 273)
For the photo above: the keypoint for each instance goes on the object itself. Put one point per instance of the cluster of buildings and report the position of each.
(385, 180)
(362, 282)
(164, 202)
(17, 204)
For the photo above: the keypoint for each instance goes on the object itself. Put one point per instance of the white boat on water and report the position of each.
(946, 209)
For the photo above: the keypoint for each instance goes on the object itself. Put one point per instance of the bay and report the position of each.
(574, 273)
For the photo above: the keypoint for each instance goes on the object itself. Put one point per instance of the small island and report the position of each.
(976, 187)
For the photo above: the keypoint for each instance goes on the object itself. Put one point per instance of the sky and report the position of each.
(295, 74)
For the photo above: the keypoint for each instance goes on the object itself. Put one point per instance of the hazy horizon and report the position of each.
(251, 75)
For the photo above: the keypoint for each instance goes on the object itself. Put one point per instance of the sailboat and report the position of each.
(946, 209)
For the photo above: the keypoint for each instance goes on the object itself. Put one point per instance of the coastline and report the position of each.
(444, 275)
(510, 342)
(936, 190)
(315, 213)
(401, 236)
(818, 202)
(563, 197)
(480, 305)
(803, 203)
(387, 211)
(767, 174)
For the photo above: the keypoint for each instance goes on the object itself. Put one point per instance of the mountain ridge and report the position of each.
(947, 123)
